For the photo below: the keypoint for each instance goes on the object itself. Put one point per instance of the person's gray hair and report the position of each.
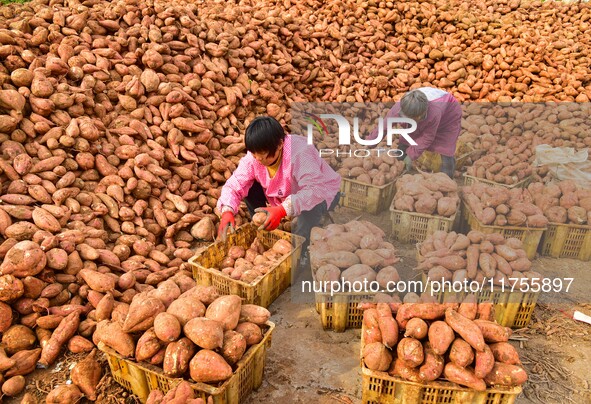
(414, 103)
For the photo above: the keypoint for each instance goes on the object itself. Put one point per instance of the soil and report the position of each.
(306, 364)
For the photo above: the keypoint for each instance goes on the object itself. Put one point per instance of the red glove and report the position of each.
(226, 221)
(274, 216)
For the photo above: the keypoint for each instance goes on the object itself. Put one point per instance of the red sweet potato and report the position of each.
(177, 357)
(226, 310)
(466, 328)
(209, 367)
(167, 327)
(441, 337)
(463, 377)
(86, 374)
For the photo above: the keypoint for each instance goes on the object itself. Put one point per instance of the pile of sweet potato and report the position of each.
(374, 170)
(184, 331)
(250, 264)
(562, 202)
(477, 256)
(499, 206)
(423, 342)
(355, 251)
(428, 193)
(505, 164)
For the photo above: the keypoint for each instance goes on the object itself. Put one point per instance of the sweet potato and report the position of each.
(18, 338)
(486, 311)
(402, 369)
(105, 307)
(493, 332)
(251, 332)
(371, 326)
(66, 329)
(254, 314)
(78, 344)
(112, 335)
(469, 307)
(24, 362)
(387, 324)
(167, 327)
(484, 362)
(233, 347)
(466, 328)
(226, 310)
(388, 274)
(503, 374)
(13, 386)
(177, 357)
(5, 316)
(439, 274)
(65, 393)
(433, 365)
(209, 367)
(5, 361)
(142, 313)
(463, 377)
(147, 346)
(282, 247)
(416, 328)
(425, 311)
(461, 353)
(86, 374)
(505, 352)
(410, 350)
(24, 259)
(451, 262)
(186, 308)
(376, 356)
(205, 333)
(97, 281)
(522, 264)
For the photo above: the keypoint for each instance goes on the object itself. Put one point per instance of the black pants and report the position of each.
(448, 164)
(306, 220)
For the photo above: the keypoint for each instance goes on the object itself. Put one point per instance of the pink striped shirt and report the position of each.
(302, 181)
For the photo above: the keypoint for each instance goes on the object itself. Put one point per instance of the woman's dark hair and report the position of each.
(264, 134)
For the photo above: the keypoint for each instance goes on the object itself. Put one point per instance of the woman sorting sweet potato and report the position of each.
(281, 175)
(438, 116)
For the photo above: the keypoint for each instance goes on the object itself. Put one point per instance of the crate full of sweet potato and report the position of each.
(354, 252)
(253, 264)
(424, 342)
(197, 334)
(488, 259)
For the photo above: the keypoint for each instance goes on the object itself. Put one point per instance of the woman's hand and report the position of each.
(227, 221)
(274, 216)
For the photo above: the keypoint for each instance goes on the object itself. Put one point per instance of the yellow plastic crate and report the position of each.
(567, 241)
(264, 290)
(529, 236)
(339, 311)
(412, 227)
(469, 180)
(141, 378)
(381, 388)
(366, 197)
(512, 308)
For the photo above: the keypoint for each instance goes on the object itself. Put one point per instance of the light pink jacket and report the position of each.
(302, 181)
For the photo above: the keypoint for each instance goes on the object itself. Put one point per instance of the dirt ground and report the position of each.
(306, 364)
